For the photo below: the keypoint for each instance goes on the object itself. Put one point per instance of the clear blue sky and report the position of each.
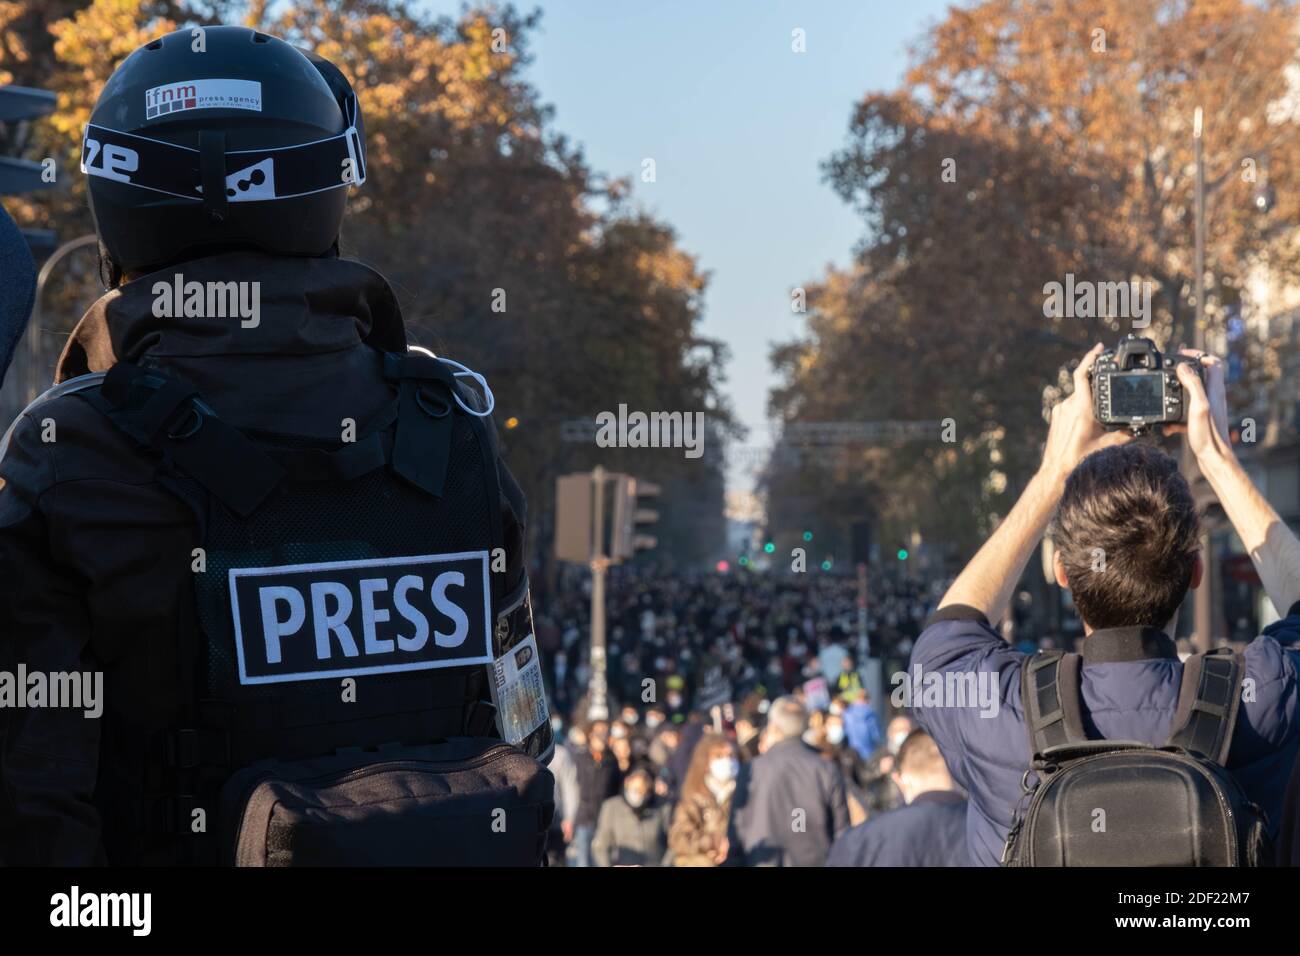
(737, 125)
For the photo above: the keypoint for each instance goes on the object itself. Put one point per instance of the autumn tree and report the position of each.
(1029, 141)
(507, 251)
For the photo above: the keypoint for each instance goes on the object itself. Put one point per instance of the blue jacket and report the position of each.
(862, 729)
(1129, 679)
(929, 831)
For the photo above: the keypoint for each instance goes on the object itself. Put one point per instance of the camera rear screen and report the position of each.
(1137, 395)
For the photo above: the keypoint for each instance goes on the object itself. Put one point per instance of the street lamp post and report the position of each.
(34, 327)
(597, 687)
(1203, 602)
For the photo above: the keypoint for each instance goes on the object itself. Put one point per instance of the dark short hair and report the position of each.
(1127, 533)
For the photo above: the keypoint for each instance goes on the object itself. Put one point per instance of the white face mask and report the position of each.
(835, 734)
(896, 741)
(723, 769)
(652, 721)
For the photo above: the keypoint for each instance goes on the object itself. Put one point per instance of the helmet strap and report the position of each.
(212, 172)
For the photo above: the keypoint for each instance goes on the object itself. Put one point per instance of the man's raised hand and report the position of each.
(1207, 408)
(1075, 433)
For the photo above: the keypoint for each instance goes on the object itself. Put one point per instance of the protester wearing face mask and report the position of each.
(898, 730)
(881, 791)
(775, 676)
(676, 698)
(699, 834)
(632, 829)
(853, 768)
(598, 779)
(620, 745)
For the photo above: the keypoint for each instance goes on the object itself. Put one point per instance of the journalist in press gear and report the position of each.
(291, 546)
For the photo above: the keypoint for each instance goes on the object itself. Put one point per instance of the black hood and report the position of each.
(307, 306)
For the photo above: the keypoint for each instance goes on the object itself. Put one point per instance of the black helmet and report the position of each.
(221, 138)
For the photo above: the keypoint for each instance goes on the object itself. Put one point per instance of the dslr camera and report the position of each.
(1135, 387)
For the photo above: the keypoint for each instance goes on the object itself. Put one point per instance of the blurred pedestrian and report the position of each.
(793, 805)
(620, 745)
(929, 831)
(848, 680)
(598, 779)
(881, 792)
(861, 725)
(699, 834)
(853, 768)
(565, 770)
(632, 829)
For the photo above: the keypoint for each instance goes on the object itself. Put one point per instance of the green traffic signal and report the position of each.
(902, 554)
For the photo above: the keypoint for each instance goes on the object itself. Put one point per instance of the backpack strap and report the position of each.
(1049, 694)
(168, 417)
(1208, 702)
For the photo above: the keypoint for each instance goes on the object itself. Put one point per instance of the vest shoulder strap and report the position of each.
(167, 416)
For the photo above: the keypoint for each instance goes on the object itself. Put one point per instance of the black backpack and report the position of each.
(375, 561)
(1125, 803)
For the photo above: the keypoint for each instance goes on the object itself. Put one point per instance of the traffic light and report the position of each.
(631, 497)
(623, 516)
(573, 525)
(19, 103)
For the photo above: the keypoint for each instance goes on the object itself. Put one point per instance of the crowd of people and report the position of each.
(706, 638)
(726, 691)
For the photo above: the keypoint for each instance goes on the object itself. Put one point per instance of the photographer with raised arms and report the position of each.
(1172, 760)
